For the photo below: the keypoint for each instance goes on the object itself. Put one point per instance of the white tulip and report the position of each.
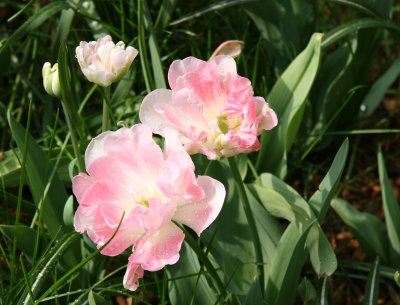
(104, 62)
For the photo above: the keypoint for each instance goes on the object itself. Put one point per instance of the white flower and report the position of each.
(51, 82)
(104, 62)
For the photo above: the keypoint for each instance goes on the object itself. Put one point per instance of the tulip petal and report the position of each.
(160, 249)
(199, 215)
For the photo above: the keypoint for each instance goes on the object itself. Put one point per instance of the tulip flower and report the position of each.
(51, 81)
(104, 62)
(212, 108)
(129, 173)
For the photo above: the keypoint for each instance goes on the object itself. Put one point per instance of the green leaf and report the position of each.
(396, 278)
(189, 284)
(287, 99)
(369, 230)
(320, 199)
(254, 297)
(211, 8)
(391, 207)
(68, 94)
(164, 14)
(56, 196)
(274, 203)
(35, 21)
(95, 299)
(291, 206)
(158, 72)
(323, 258)
(289, 194)
(286, 267)
(10, 168)
(307, 292)
(372, 290)
(63, 28)
(25, 240)
(350, 27)
(381, 8)
(378, 89)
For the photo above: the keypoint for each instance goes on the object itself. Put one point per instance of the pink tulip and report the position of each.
(103, 62)
(128, 172)
(212, 108)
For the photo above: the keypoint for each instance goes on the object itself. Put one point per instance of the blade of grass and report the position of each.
(372, 290)
(59, 282)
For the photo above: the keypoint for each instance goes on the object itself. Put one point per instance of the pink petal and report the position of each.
(199, 215)
(160, 249)
(134, 272)
(181, 67)
(80, 184)
(149, 116)
(136, 148)
(95, 148)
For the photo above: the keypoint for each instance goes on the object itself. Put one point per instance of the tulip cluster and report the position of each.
(210, 109)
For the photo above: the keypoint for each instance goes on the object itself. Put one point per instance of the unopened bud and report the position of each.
(51, 82)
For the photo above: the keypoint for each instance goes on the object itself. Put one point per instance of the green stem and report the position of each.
(106, 109)
(250, 218)
(74, 139)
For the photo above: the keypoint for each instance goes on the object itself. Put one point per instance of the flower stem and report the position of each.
(106, 109)
(74, 139)
(250, 218)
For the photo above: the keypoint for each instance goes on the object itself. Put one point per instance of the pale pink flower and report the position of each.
(128, 172)
(104, 62)
(212, 108)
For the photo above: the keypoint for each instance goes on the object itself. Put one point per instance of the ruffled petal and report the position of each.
(160, 249)
(133, 273)
(199, 215)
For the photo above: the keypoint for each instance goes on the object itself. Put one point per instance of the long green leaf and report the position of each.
(351, 27)
(320, 199)
(287, 99)
(378, 89)
(391, 207)
(372, 290)
(53, 203)
(183, 289)
(211, 8)
(63, 28)
(369, 230)
(158, 72)
(282, 201)
(381, 8)
(33, 22)
(26, 238)
(285, 269)
(68, 94)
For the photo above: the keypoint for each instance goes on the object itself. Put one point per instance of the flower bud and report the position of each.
(51, 82)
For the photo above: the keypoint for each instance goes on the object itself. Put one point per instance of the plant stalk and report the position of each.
(106, 109)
